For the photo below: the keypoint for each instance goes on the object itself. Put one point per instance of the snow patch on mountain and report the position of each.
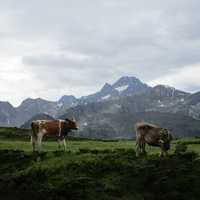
(85, 124)
(60, 105)
(122, 88)
(106, 97)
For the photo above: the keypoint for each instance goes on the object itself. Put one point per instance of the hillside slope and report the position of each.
(98, 175)
(116, 119)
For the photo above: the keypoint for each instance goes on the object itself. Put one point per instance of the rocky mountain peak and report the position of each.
(5, 104)
(130, 85)
(67, 98)
(107, 88)
(67, 101)
(160, 98)
(127, 80)
(167, 91)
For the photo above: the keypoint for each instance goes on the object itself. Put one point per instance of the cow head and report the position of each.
(72, 125)
(165, 139)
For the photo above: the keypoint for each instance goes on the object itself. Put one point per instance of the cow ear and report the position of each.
(67, 120)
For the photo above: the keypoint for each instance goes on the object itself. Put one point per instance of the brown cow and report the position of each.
(56, 128)
(152, 135)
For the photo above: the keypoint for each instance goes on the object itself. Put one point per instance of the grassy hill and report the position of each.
(14, 132)
(98, 174)
(96, 170)
(116, 119)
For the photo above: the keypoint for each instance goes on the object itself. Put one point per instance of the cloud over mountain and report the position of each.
(50, 48)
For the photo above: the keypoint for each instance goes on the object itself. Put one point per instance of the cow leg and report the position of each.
(39, 140)
(59, 143)
(34, 135)
(64, 144)
(143, 148)
(163, 153)
(137, 153)
(34, 142)
(137, 148)
(140, 147)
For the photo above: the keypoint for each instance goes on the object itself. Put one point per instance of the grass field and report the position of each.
(17, 139)
(72, 145)
(97, 170)
(75, 145)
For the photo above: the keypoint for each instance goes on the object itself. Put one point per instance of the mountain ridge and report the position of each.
(127, 95)
(83, 97)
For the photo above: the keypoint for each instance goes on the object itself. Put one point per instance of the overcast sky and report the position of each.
(49, 48)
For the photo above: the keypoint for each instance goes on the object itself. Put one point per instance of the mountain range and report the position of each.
(112, 111)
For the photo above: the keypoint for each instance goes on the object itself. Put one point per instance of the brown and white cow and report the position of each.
(152, 135)
(55, 128)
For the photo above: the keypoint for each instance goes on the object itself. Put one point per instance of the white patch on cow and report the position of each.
(39, 124)
(106, 97)
(41, 121)
(44, 131)
(40, 136)
(121, 88)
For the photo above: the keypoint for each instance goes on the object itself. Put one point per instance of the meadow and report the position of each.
(74, 145)
(96, 169)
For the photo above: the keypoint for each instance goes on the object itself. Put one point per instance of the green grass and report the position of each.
(76, 145)
(97, 170)
(98, 175)
(17, 139)
(73, 145)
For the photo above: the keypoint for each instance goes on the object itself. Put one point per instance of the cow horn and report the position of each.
(73, 119)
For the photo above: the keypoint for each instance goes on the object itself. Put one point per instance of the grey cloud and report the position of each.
(82, 44)
(57, 70)
(54, 60)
